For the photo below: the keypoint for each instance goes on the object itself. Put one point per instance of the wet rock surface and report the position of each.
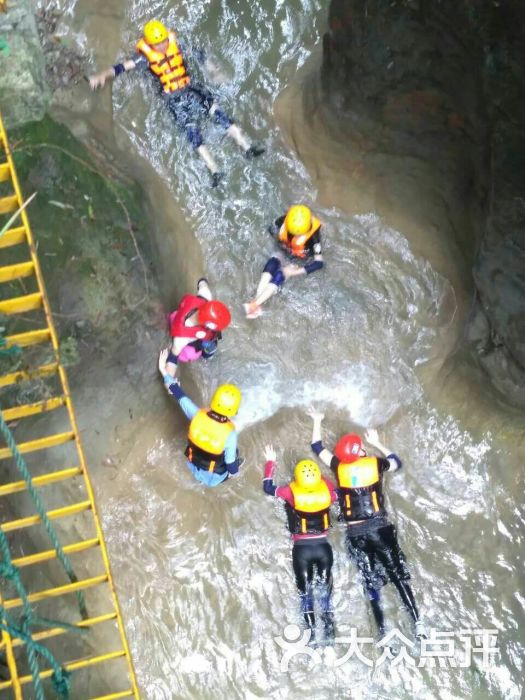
(24, 94)
(65, 64)
(428, 103)
(91, 227)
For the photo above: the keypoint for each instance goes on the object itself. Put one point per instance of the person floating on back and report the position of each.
(307, 501)
(211, 453)
(371, 540)
(162, 53)
(298, 234)
(196, 327)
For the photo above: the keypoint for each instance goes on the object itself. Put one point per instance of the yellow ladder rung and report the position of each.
(63, 512)
(15, 272)
(17, 305)
(70, 666)
(8, 204)
(28, 375)
(10, 200)
(5, 172)
(40, 444)
(42, 480)
(29, 338)
(49, 554)
(32, 409)
(13, 236)
(56, 591)
(57, 631)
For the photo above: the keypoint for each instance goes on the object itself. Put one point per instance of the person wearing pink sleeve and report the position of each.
(307, 499)
(370, 538)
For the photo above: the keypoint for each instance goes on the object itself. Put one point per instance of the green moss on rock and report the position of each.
(85, 223)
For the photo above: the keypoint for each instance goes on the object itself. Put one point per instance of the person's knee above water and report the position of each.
(371, 539)
(211, 452)
(160, 52)
(307, 501)
(196, 326)
(298, 235)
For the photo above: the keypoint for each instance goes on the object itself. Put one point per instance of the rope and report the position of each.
(40, 509)
(59, 677)
(13, 350)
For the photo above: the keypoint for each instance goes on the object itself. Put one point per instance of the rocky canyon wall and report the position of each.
(427, 103)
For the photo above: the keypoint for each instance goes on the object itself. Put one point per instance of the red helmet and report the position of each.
(349, 448)
(214, 315)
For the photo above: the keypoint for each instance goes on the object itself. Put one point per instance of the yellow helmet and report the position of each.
(298, 220)
(155, 32)
(307, 474)
(226, 400)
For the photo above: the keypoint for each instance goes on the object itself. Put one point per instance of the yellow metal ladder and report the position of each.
(110, 651)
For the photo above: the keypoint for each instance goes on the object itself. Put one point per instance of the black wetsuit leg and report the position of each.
(362, 549)
(407, 596)
(377, 609)
(307, 557)
(392, 559)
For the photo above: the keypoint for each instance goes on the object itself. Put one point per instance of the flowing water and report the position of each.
(205, 576)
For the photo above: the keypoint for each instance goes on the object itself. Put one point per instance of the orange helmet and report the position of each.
(214, 315)
(349, 448)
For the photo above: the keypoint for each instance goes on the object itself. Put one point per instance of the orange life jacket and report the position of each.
(360, 492)
(168, 67)
(297, 244)
(207, 437)
(310, 513)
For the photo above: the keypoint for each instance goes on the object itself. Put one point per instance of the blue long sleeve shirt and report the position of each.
(190, 409)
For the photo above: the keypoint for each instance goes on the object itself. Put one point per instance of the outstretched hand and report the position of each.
(316, 416)
(270, 453)
(372, 436)
(163, 359)
(96, 81)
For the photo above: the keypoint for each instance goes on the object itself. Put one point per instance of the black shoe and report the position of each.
(312, 642)
(216, 179)
(253, 152)
(421, 631)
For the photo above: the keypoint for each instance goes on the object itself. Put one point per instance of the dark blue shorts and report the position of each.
(189, 106)
(274, 267)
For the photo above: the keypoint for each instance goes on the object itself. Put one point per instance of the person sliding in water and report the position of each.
(196, 327)
(307, 501)
(298, 233)
(212, 454)
(370, 538)
(160, 51)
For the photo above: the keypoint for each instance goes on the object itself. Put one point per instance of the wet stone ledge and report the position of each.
(429, 98)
